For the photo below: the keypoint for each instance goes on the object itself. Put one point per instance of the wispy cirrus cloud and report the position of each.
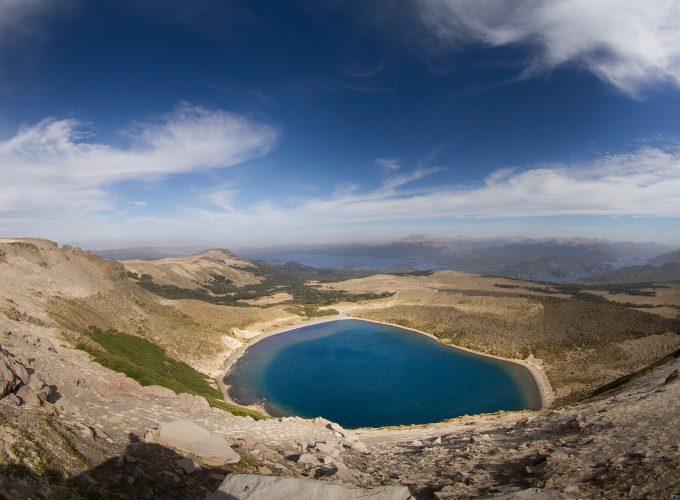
(57, 185)
(48, 171)
(18, 18)
(627, 43)
(641, 183)
(396, 181)
(359, 70)
(389, 165)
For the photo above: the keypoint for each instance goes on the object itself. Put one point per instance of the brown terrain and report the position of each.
(191, 272)
(72, 428)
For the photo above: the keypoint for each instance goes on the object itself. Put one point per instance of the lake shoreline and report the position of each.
(543, 386)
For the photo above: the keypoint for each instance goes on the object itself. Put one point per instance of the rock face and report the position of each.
(191, 402)
(187, 437)
(254, 487)
(12, 374)
(158, 391)
(27, 387)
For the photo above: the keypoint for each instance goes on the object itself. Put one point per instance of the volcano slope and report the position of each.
(71, 427)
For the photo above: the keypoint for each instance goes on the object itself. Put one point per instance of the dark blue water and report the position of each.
(362, 374)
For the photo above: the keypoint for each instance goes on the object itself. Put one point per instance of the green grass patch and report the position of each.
(148, 364)
(309, 311)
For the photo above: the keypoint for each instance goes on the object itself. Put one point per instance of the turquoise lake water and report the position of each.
(363, 374)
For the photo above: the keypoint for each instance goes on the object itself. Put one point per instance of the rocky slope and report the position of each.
(71, 428)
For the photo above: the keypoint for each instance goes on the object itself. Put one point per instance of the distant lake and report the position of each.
(351, 261)
(363, 374)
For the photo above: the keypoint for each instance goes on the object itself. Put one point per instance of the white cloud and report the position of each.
(47, 172)
(642, 183)
(17, 17)
(397, 181)
(629, 44)
(56, 186)
(359, 70)
(389, 165)
(223, 198)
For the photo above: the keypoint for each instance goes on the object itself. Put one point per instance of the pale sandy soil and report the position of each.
(191, 272)
(276, 298)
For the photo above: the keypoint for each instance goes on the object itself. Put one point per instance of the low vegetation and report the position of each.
(584, 292)
(291, 278)
(308, 311)
(148, 364)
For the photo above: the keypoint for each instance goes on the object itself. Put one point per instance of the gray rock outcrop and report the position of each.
(254, 487)
(15, 379)
(187, 437)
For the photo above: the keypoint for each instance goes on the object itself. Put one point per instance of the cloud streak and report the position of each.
(641, 183)
(57, 185)
(18, 17)
(627, 43)
(48, 171)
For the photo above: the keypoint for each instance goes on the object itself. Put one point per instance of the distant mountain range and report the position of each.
(546, 259)
(667, 258)
(665, 267)
(549, 259)
(638, 274)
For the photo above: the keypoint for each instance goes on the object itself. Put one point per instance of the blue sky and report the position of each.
(226, 123)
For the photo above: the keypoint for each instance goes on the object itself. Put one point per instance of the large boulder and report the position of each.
(191, 402)
(254, 487)
(36, 392)
(9, 380)
(116, 384)
(13, 374)
(187, 437)
(29, 388)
